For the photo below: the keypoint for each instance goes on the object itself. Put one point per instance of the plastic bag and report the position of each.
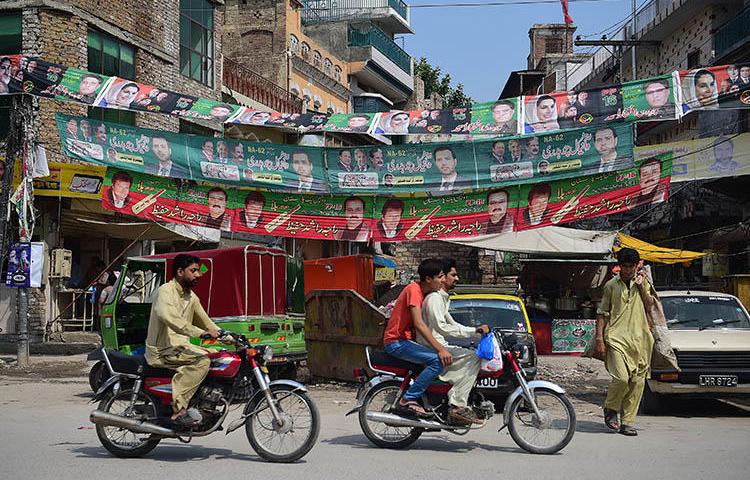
(486, 347)
(494, 364)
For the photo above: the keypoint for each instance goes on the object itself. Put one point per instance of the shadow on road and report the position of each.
(175, 453)
(703, 408)
(442, 443)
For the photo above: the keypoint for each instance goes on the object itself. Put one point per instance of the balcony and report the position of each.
(375, 38)
(733, 35)
(393, 15)
(244, 81)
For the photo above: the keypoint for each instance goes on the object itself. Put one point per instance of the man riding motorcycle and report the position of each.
(462, 373)
(177, 315)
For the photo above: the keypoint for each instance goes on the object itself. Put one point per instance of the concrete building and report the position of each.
(684, 34)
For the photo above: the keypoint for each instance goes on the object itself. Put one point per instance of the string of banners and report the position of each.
(666, 97)
(436, 168)
(386, 219)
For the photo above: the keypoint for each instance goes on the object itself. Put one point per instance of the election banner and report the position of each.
(653, 99)
(19, 265)
(235, 209)
(562, 201)
(436, 218)
(191, 157)
(711, 88)
(704, 158)
(438, 169)
(565, 154)
(571, 335)
(640, 100)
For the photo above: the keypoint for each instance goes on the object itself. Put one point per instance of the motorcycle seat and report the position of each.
(383, 360)
(124, 363)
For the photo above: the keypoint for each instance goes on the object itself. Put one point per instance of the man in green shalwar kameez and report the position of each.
(623, 338)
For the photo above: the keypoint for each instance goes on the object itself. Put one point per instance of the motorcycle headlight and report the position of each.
(267, 354)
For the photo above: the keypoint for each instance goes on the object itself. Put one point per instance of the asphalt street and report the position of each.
(45, 434)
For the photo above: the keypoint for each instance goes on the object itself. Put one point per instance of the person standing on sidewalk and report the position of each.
(623, 338)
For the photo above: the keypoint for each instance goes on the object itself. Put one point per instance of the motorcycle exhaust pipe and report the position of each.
(397, 421)
(109, 420)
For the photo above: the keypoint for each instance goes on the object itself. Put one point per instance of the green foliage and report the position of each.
(437, 82)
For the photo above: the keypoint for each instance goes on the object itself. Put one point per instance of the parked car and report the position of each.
(710, 334)
(500, 312)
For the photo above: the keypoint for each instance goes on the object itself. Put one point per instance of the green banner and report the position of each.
(571, 335)
(253, 164)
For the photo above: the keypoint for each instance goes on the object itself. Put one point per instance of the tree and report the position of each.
(437, 82)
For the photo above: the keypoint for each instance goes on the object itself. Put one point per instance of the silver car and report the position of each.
(710, 334)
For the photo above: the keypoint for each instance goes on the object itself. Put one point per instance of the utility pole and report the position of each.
(632, 50)
(20, 145)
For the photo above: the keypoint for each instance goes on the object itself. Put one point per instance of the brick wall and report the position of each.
(152, 27)
(472, 264)
(255, 36)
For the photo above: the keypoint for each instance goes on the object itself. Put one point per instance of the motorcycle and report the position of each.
(538, 414)
(134, 414)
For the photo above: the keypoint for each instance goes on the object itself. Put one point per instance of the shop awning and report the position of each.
(654, 253)
(557, 241)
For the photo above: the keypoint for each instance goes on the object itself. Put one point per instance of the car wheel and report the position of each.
(652, 403)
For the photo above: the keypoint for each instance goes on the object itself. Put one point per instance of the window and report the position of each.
(337, 73)
(10, 43)
(317, 59)
(694, 59)
(328, 67)
(305, 51)
(553, 45)
(109, 56)
(293, 43)
(197, 40)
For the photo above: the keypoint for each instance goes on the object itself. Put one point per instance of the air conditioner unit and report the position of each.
(62, 260)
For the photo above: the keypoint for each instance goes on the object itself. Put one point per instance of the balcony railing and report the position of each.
(248, 83)
(374, 37)
(733, 33)
(320, 11)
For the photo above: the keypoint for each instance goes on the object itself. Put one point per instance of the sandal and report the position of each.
(610, 419)
(628, 431)
(412, 407)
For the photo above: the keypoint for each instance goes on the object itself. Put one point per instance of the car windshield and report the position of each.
(701, 312)
(505, 314)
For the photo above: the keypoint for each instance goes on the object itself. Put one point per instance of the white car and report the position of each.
(710, 334)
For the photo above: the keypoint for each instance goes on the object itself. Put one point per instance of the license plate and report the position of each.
(486, 382)
(717, 380)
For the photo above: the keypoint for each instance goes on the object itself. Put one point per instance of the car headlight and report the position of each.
(267, 354)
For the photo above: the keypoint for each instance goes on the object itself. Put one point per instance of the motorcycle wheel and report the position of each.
(295, 437)
(97, 375)
(545, 435)
(121, 442)
(380, 399)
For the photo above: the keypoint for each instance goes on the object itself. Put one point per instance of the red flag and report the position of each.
(568, 19)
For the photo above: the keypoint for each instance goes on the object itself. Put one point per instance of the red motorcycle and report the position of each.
(538, 414)
(281, 421)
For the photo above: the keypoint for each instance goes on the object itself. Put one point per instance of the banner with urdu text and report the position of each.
(437, 169)
(641, 100)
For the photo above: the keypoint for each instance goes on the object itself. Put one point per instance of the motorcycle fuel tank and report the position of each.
(224, 364)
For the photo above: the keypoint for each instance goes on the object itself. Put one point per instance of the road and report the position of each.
(45, 434)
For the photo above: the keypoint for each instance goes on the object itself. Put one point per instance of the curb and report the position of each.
(51, 348)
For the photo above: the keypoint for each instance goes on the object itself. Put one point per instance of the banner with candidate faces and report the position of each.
(661, 98)
(436, 218)
(563, 201)
(640, 100)
(187, 202)
(191, 157)
(436, 168)
(704, 158)
(710, 88)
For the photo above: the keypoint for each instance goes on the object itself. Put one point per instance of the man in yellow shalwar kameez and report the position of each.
(624, 338)
(177, 315)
